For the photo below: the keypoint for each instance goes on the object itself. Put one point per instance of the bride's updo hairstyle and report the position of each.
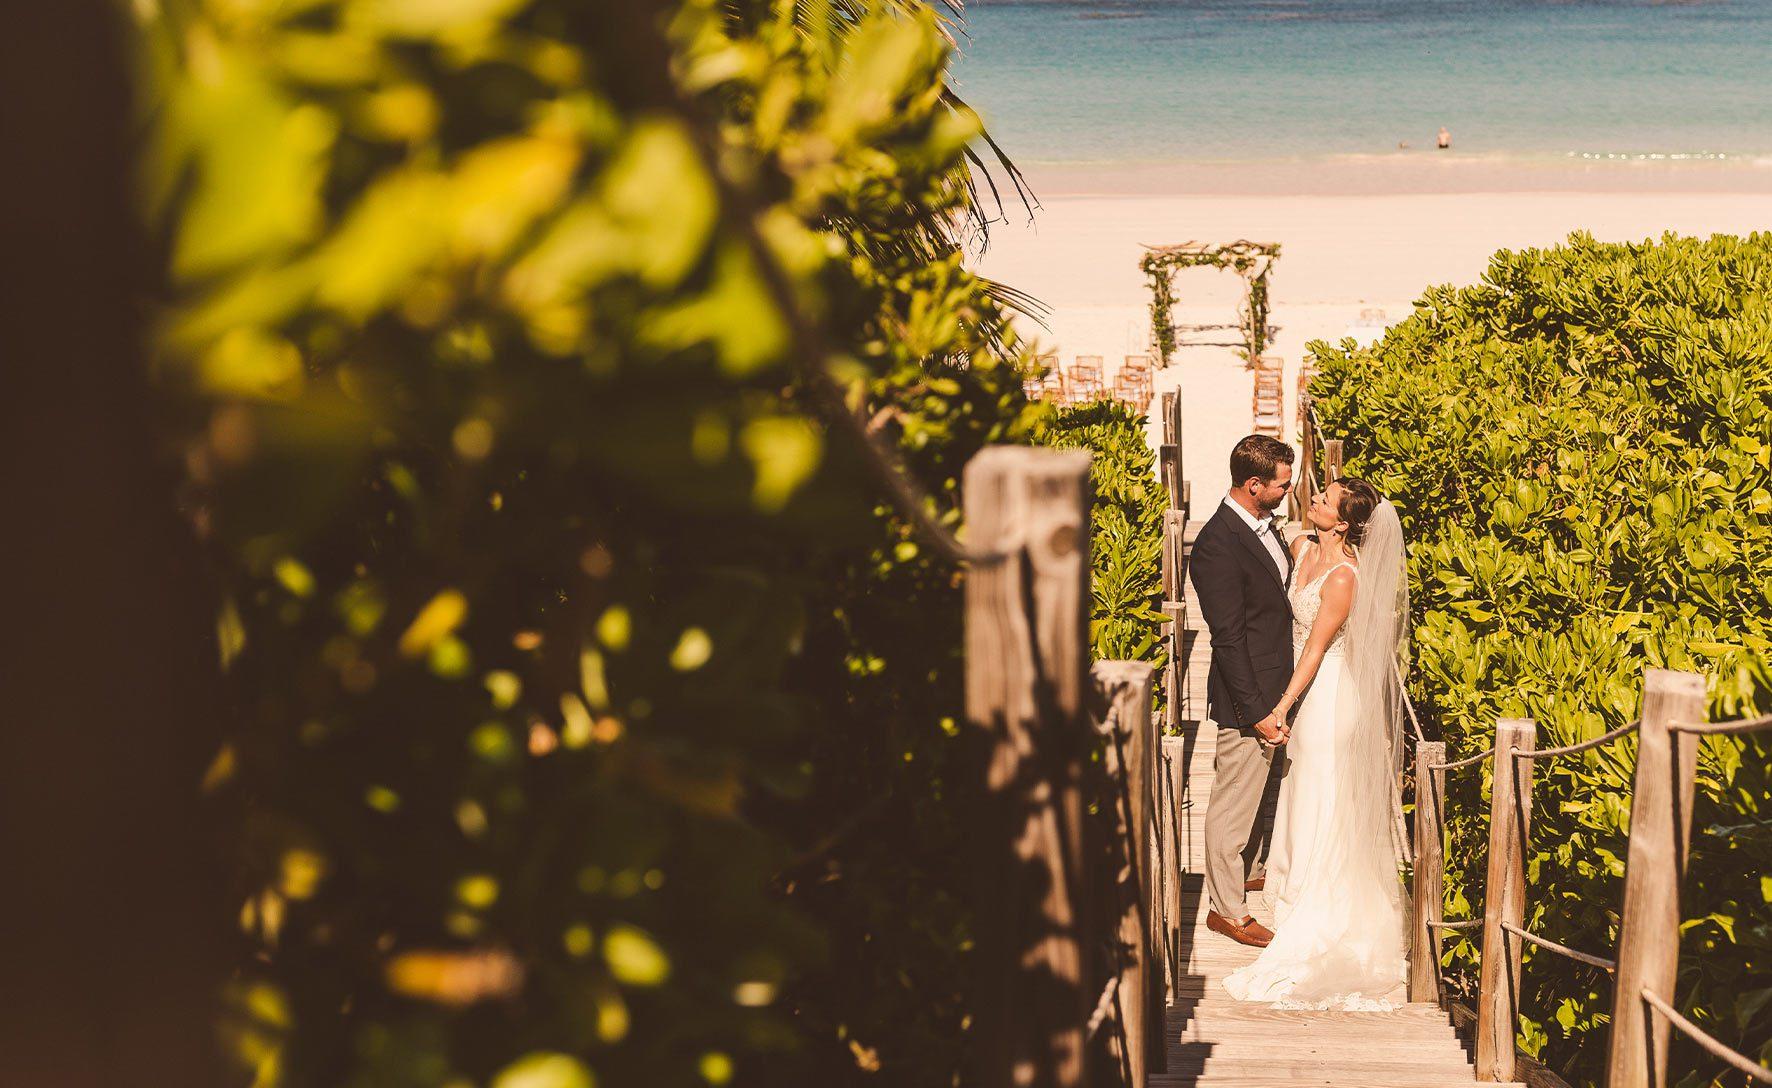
(1358, 500)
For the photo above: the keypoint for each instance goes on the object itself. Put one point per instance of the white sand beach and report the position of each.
(1351, 241)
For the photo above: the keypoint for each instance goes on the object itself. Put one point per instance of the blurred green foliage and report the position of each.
(1126, 535)
(1579, 448)
(592, 714)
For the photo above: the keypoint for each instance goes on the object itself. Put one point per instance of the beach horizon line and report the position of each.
(1400, 173)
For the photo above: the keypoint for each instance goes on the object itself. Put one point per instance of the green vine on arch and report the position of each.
(1253, 261)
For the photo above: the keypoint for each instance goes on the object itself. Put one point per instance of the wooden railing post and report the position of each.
(1175, 863)
(1169, 451)
(1172, 425)
(1305, 485)
(1331, 460)
(1027, 659)
(1660, 835)
(1510, 821)
(1429, 884)
(1156, 838)
(1175, 614)
(1131, 765)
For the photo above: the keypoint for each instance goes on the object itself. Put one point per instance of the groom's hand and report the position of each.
(1268, 729)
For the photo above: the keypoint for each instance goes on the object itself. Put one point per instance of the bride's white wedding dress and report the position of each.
(1338, 910)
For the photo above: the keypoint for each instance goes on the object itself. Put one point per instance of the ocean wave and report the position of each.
(1664, 156)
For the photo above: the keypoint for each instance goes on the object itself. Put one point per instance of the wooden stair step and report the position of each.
(1254, 1013)
(1294, 1067)
(1340, 1081)
(1207, 1028)
(1210, 1030)
(1327, 1046)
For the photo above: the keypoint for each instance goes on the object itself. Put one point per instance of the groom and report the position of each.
(1240, 566)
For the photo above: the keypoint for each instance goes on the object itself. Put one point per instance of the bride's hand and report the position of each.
(1271, 732)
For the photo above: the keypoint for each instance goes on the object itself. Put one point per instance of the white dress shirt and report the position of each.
(1263, 530)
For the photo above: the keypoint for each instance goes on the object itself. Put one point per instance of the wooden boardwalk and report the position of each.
(1216, 1042)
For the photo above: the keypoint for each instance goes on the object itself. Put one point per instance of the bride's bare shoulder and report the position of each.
(1300, 545)
(1340, 581)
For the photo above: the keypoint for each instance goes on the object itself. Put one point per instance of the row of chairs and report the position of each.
(1085, 381)
(1269, 407)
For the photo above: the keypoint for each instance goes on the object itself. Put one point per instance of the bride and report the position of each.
(1333, 867)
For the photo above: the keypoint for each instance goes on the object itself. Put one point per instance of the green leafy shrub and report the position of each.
(1126, 542)
(1579, 449)
(591, 710)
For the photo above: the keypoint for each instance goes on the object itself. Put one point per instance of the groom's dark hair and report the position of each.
(1259, 456)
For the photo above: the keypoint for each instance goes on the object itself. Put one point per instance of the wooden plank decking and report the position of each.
(1216, 1042)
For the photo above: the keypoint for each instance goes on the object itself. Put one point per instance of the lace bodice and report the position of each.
(1307, 601)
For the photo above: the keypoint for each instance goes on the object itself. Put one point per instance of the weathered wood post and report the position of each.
(1174, 757)
(1027, 659)
(1169, 451)
(1301, 486)
(1174, 613)
(1130, 762)
(1305, 485)
(1157, 895)
(1331, 460)
(1169, 467)
(1660, 836)
(1173, 428)
(1510, 821)
(1156, 837)
(1429, 885)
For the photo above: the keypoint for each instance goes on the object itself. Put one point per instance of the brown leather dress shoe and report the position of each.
(1256, 885)
(1248, 931)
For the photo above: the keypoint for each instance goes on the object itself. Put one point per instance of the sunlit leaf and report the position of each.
(441, 616)
(544, 1070)
(785, 452)
(634, 958)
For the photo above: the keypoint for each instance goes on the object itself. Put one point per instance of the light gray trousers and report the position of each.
(1239, 817)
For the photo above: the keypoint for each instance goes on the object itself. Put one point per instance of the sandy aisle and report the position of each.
(1341, 255)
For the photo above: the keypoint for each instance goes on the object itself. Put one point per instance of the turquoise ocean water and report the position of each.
(1104, 81)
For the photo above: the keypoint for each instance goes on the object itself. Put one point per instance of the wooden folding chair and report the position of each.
(1049, 383)
(1084, 379)
(1132, 384)
(1269, 400)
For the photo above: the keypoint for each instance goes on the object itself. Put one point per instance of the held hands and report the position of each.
(1272, 733)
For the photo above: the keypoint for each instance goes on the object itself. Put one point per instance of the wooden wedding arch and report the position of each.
(1252, 261)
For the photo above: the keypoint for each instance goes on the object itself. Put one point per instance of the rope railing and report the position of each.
(1704, 1039)
(1560, 949)
(1647, 950)
(1570, 749)
(1458, 763)
(1540, 753)
(1718, 729)
(1408, 703)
